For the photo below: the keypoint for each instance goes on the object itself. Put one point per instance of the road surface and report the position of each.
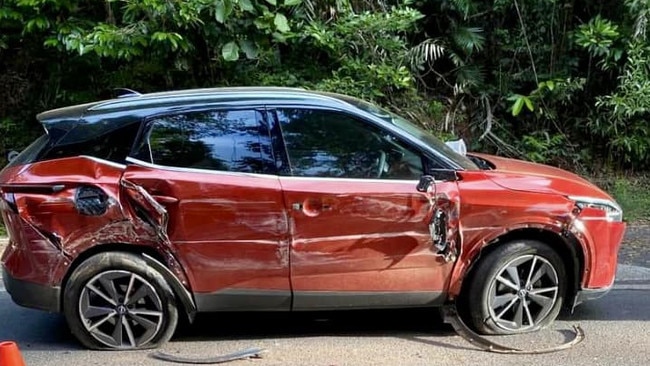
(617, 331)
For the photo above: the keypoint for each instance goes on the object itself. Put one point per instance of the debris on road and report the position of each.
(451, 316)
(246, 353)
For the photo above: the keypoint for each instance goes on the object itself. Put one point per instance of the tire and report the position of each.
(517, 288)
(115, 301)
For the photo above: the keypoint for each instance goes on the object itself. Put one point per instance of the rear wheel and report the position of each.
(115, 301)
(518, 287)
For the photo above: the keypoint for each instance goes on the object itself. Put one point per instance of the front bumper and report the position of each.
(32, 295)
(587, 294)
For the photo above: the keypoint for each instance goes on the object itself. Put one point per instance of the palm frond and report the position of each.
(469, 39)
(427, 51)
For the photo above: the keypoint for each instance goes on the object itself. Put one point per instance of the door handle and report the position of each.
(311, 207)
(165, 200)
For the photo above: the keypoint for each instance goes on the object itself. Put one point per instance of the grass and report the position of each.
(3, 231)
(633, 194)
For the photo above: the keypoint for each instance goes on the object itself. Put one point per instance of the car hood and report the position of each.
(521, 175)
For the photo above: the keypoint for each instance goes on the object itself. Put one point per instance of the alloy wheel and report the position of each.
(523, 293)
(120, 309)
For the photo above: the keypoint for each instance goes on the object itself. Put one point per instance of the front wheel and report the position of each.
(115, 301)
(517, 288)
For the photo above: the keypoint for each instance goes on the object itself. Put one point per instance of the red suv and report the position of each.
(129, 213)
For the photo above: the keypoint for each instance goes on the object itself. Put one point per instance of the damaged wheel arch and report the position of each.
(565, 244)
(153, 258)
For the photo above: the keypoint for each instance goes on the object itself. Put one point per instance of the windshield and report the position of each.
(416, 132)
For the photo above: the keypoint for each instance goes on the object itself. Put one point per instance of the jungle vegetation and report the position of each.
(562, 82)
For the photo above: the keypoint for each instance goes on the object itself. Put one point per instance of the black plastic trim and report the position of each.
(339, 300)
(32, 295)
(244, 300)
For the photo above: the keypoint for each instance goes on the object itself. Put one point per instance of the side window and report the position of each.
(113, 145)
(236, 141)
(330, 144)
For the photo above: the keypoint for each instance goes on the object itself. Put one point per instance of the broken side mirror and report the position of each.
(426, 184)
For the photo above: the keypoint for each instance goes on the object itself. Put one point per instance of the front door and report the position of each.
(213, 172)
(360, 229)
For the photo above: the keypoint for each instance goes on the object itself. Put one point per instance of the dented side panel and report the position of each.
(365, 235)
(50, 229)
(229, 231)
(489, 212)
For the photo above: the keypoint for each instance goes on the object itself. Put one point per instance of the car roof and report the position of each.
(192, 96)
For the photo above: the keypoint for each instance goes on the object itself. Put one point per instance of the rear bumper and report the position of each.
(32, 295)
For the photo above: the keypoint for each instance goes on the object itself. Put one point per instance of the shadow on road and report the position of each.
(307, 324)
(38, 330)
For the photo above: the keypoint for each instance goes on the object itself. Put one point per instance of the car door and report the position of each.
(361, 234)
(213, 173)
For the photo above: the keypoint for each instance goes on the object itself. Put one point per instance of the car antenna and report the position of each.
(126, 93)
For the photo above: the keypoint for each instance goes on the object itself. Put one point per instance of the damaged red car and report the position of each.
(128, 214)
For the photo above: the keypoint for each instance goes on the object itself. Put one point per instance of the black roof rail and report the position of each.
(126, 93)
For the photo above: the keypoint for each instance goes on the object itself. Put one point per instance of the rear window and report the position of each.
(31, 152)
(113, 145)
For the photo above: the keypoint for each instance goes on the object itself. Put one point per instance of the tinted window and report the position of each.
(113, 145)
(329, 144)
(31, 152)
(414, 131)
(235, 141)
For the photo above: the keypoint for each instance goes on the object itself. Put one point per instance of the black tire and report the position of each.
(118, 293)
(511, 290)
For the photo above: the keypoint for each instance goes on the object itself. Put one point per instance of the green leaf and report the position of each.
(249, 48)
(272, 2)
(223, 8)
(292, 2)
(550, 85)
(529, 103)
(230, 51)
(246, 5)
(516, 108)
(281, 23)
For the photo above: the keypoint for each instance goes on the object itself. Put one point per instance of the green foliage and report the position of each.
(557, 81)
(633, 194)
(597, 36)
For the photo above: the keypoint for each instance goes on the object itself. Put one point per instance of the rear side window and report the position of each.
(235, 140)
(113, 145)
(31, 152)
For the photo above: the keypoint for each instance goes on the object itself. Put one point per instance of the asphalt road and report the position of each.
(617, 331)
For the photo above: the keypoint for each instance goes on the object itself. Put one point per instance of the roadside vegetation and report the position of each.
(561, 82)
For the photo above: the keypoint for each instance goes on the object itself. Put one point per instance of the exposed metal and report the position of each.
(451, 317)
(239, 355)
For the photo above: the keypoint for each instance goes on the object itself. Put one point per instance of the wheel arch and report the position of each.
(152, 256)
(565, 244)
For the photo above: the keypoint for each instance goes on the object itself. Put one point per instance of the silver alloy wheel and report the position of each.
(523, 293)
(120, 309)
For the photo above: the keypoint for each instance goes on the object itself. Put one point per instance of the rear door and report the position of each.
(213, 171)
(360, 231)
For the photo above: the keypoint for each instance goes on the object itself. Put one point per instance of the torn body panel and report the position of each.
(49, 231)
(486, 219)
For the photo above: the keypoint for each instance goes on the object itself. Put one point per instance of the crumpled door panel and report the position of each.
(70, 205)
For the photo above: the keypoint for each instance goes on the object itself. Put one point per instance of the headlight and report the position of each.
(612, 209)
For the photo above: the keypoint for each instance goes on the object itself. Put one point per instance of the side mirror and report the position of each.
(425, 183)
(12, 155)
